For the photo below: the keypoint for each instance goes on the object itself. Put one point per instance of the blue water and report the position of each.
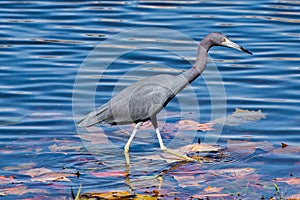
(44, 45)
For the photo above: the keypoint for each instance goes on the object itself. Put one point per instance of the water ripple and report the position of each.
(44, 43)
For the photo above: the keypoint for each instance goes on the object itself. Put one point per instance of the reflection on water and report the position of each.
(44, 43)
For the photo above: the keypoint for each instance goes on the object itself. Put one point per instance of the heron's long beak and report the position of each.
(231, 44)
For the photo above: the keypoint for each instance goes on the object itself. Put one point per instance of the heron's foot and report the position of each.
(183, 157)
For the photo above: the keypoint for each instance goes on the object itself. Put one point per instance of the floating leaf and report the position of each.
(108, 174)
(36, 171)
(290, 181)
(43, 175)
(117, 196)
(207, 196)
(95, 135)
(21, 190)
(52, 177)
(108, 195)
(210, 189)
(6, 180)
(246, 147)
(144, 197)
(193, 125)
(54, 148)
(151, 181)
(148, 125)
(287, 149)
(294, 197)
(188, 180)
(196, 148)
(240, 117)
(95, 138)
(18, 190)
(233, 172)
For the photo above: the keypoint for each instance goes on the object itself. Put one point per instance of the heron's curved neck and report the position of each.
(199, 66)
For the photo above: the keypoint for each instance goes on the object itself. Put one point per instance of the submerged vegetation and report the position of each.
(230, 171)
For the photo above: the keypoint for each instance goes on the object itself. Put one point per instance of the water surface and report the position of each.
(43, 44)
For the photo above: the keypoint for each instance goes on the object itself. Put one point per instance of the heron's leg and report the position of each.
(126, 148)
(136, 127)
(161, 144)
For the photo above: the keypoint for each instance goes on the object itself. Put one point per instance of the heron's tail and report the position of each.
(92, 118)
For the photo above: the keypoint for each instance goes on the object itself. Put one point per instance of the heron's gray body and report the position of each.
(138, 102)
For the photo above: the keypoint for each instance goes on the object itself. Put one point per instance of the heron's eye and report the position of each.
(223, 40)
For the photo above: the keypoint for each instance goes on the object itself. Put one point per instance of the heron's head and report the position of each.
(219, 39)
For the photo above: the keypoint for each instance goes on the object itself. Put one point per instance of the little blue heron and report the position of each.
(143, 100)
